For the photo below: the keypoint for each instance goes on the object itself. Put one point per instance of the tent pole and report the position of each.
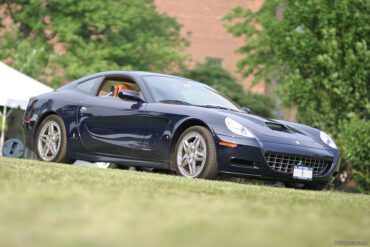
(2, 138)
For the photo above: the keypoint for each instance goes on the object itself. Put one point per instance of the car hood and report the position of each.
(274, 131)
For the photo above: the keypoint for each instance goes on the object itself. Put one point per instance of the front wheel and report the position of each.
(51, 140)
(195, 154)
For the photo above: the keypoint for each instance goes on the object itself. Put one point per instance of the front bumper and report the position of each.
(248, 160)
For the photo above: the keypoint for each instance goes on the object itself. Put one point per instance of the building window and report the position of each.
(214, 61)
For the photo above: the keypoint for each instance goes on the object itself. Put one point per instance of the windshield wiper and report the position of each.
(174, 101)
(216, 107)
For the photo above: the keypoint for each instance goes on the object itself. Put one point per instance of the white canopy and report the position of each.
(15, 91)
(17, 88)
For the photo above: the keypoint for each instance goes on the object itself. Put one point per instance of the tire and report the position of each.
(51, 141)
(195, 154)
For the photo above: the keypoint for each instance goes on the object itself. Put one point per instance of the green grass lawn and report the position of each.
(60, 205)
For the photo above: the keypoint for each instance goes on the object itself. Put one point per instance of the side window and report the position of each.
(111, 86)
(88, 86)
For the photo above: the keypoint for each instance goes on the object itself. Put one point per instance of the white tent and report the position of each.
(17, 88)
(15, 91)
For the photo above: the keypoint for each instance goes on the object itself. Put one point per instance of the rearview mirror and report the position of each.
(129, 95)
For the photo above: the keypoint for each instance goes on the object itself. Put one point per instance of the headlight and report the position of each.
(237, 128)
(327, 140)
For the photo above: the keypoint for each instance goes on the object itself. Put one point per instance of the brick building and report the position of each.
(203, 27)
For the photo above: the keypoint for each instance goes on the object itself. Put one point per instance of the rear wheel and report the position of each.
(51, 140)
(195, 154)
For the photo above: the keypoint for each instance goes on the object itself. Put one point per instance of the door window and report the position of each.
(111, 86)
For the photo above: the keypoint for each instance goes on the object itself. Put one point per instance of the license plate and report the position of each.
(301, 172)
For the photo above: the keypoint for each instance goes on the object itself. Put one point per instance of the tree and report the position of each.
(318, 51)
(218, 78)
(63, 40)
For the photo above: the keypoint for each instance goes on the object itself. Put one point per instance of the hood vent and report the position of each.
(278, 127)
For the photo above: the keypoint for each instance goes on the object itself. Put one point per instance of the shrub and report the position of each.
(354, 138)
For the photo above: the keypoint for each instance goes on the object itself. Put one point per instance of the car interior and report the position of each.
(111, 86)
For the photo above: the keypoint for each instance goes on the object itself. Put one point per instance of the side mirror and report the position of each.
(247, 110)
(129, 95)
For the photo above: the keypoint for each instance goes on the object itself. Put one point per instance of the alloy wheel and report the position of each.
(49, 140)
(191, 155)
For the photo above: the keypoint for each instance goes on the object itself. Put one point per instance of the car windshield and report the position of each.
(182, 91)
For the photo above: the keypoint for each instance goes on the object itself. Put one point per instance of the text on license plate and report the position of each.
(301, 172)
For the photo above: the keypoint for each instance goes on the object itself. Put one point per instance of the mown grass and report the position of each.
(43, 204)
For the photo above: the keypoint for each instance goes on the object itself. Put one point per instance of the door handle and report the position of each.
(83, 109)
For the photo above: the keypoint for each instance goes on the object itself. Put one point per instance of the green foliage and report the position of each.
(258, 59)
(55, 40)
(6, 124)
(31, 56)
(1, 119)
(355, 139)
(317, 50)
(218, 78)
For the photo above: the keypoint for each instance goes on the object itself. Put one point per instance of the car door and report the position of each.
(110, 126)
(158, 135)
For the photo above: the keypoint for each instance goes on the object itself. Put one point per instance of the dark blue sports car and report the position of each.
(159, 121)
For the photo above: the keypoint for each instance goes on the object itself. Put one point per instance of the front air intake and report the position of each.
(277, 127)
(285, 163)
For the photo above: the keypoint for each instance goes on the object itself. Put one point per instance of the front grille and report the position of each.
(285, 163)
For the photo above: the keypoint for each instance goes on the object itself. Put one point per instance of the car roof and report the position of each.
(137, 73)
(122, 72)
